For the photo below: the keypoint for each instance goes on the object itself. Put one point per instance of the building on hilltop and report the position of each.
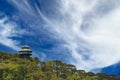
(25, 52)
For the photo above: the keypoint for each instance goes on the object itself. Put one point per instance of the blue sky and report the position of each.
(82, 32)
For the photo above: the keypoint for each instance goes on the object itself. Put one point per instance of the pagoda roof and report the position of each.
(25, 46)
(25, 49)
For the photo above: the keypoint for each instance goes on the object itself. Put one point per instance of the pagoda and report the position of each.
(25, 52)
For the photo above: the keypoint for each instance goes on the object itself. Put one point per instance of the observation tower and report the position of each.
(25, 52)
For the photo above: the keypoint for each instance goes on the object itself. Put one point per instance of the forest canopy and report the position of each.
(12, 67)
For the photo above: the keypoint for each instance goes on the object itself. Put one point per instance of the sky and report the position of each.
(81, 32)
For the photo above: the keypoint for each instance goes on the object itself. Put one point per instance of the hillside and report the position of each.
(12, 67)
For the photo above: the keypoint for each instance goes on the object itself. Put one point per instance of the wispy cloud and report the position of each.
(9, 29)
(89, 46)
(89, 29)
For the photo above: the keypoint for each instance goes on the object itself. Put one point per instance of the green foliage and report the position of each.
(12, 67)
(73, 77)
(90, 78)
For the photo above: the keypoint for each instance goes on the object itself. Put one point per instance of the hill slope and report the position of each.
(12, 67)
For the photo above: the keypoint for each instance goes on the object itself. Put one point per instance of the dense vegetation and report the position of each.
(14, 68)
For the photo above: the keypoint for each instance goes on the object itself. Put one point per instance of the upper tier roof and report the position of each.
(25, 49)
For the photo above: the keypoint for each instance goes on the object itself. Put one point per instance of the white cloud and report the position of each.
(105, 38)
(102, 38)
(8, 29)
